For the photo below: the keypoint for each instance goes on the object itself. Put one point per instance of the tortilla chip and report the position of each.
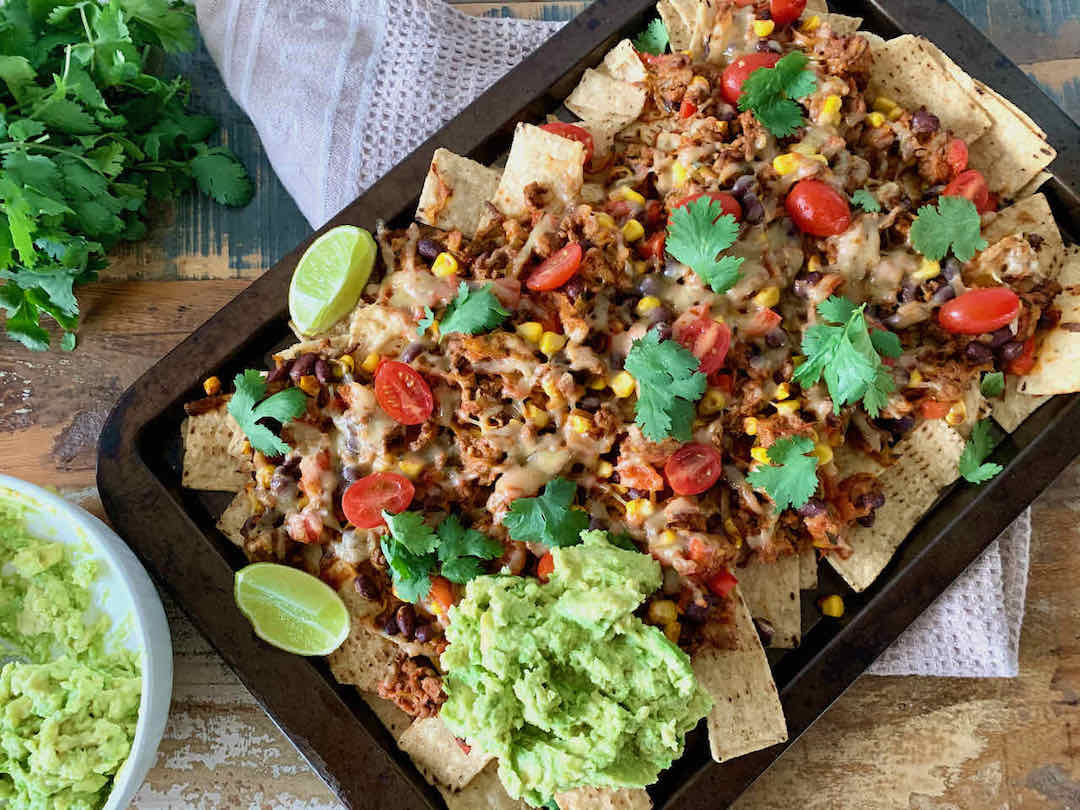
(622, 62)
(926, 462)
(235, 516)
(842, 24)
(747, 715)
(1057, 361)
(364, 658)
(771, 591)
(599, 97)
(706, 29)
(393, 718)
(1013, 408)
(910, 71)
(1033, 185)
(874, 40)
(816, 7)
(1031, 215)
(212, 452)
(436, 752)
(603, 133)
(538, 156)
(679, 28)
(455, 192)
(808, 578)
(484, 792)
(587, 798)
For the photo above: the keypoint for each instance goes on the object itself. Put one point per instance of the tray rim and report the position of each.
(124, 476)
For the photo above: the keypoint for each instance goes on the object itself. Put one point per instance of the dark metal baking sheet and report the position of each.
(172, 529)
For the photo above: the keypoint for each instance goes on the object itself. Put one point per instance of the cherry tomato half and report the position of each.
(574, 133)
(735, 74)
(442, 591)
(722, 583)
(402, 393)
(818, 209)
(762, 322)
(687, 109)
(786, 11)
(545, 567)
(979, 310)
(556, 269)
(363, 502)
(932, 409)
(1024, 362)
(693, 468)
(707, 340)
(956, 155)
(728, 203)
(972, 185)
(653, 246)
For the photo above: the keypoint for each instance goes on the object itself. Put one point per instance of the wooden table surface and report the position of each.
(888, 742)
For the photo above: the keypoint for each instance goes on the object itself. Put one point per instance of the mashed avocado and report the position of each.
(68, 716)
(562, 682)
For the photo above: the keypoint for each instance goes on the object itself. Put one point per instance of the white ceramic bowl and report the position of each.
(122, 589)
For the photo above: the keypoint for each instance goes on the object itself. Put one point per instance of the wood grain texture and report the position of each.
(888, 743)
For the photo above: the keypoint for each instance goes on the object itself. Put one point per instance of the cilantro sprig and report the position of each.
(669, 384)
(654, 39)
(791, 478)
(697, 233)
(848, 356)
(866, 201)
(472, 311)
(973, 465)
(461, 550)
(954, 224)
(247, 410)
(549, 518)
(771, 93)
(992, 384)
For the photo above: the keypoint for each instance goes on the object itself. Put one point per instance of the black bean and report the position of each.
(776, 338)
(634, 494)
(907, 291)
(428, 248)
(280, 372)
(406, 620)
(744, 184)
(813, 277)
(867, 520)
(768, 45)
(877, 500)
(322, 371)
(663, 330)
(1011, 350)
(365, 586)
(617, 360)
(924, 122)
(896, 427)
(765, 630)
(946, 293)
(389, 625)
(1000, 337)
(650, 285)
(659, 314)
(412, 351)
(978, 353)
(424, 633)
(725, 112)
(696, 613)
(598, 342)
(951, 269)
(590, 403)
(303, 366)
(574, 288)
(753, 211)
(1046, 321)
(812, 508)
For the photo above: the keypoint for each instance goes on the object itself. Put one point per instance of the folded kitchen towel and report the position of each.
(341, 90)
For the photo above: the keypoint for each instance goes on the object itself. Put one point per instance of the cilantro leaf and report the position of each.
(244, 405)
(411, 573)
(866, 201)
(953, 224)
(425, 322)
(221, 176)
(549, 517)
(973, 465)
(771, 92)
(409, 529)
(992, 384)
(67, 342)
(791, 479)
(669, 384)
(473, 311)
(654, 39)
(847, 356)
(698, 232)
(461, 550)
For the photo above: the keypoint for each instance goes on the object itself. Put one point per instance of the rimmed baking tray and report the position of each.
(172, 529)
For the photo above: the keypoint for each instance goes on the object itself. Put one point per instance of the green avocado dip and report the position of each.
(68, 713)
(562, 682)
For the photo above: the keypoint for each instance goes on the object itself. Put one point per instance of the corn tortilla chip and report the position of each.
(771, 591)
(1013, 407)
(212, 452)
(538, 156)
(438, 755)
(678, 27)
(842, 24)
(365, 658)
(587, 798)
(808, 574)
(598, 97)
(926, 462)
(393, 718)
(484, 792)
(816, 7)
(1031, 215)
(623, 63)
(455, 192)
(747, 715)
(1033, 185)
(1057, 361)
(234, 517)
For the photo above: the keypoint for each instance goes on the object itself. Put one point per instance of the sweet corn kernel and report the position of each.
(347, 363)
(700, 82)
(263, 475)
(622, 384)
(802, 148)
(309, 384)
(927, 270)
(813, 264)
(410, 467)
(597, 384)
(551, 343)
(768, 297)
(604, 220)
(832, 606)
(750, 426)
(713, 402)
(876, 119)
(783, 391)
(673, 630)
(632, 230)
(823, 452)
(371, 362)
(895, 114)
(537, 416)
(916, 377)
(640, 266)
(604, 469)
(884, 104)
(530, 331)
(789, 407)
(663, 611)
(245, 448)
(628, 194)
(548, 384)
(812, 23)
(639, 509)
(785, 164)
(830, 109)
(212, 386)
(666, 539)
(444, 265)
(760, 454)
(762, 28)
(647, 304)
(580, 424)
(731, 529)
(957, 414)
(679, 175)
(820, 159)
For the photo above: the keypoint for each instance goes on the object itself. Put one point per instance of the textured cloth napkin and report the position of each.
(341, 90)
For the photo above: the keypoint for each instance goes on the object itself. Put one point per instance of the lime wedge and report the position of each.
(329, 278)
(291, 609)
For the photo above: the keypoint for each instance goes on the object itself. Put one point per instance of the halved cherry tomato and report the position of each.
(402, 393)
(817, 208)
(956, 155)
(363, 502)
(972, 185)
(653, 247)
(728, 203)
(574, 133)
(442, 591)
(654, 213)
(722, 583)
(545, 567)
(687, 109)
(693, 468)
(556, 269)
(763, 322)
(707, 340)
(979, 310)
(735, 74)
(786, 11)
(932, 409)
(1024, 362)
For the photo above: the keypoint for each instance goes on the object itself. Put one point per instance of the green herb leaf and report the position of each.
(410, 573)
(771, 92)
(473, 311)
(425, 322)
(247, 410)
(654, 39)
(461, 550)
(67, 342)
(547, 518)
(221, 176)
(409, 529)
(866, 201)
(886, 343)
(954, 224)
(698, 232)
(669, 384)
(414, 551)
(973, 465)
(791, 479)
(992, 384)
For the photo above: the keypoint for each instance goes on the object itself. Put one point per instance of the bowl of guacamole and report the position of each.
(85, 657)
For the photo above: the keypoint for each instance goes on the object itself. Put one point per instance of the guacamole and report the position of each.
(68, 712)
(562, 682)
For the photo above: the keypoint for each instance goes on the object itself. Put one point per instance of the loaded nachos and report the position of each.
(570, 460)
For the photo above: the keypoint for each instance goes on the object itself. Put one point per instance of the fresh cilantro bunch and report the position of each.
(697, 233)
(669, 384)
(247, 409)
(973, 465)
(866, 201)
(954, 224)
(654, 39)
(471, 312)
(548, 518)
(848, 355)
(771, 92)
(791, 479)
(88, 136)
